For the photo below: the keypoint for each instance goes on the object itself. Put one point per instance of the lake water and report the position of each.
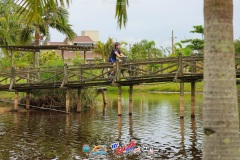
(155, 124)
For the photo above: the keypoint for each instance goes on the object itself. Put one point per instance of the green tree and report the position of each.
(34, 9)
(58, 21)
(220, 106)
(145, 49)
(186, 51)
(198, 29)
(237, 46)
(105, 49)
(50, 58)
(10, 24)
(40, 14)
(195, 44)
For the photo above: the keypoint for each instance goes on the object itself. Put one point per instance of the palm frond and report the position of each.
(26, 34)
(121, 13)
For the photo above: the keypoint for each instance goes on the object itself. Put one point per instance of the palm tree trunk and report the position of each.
(220, 106)
(37, 43)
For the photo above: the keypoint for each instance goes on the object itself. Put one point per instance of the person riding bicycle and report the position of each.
(115, 53)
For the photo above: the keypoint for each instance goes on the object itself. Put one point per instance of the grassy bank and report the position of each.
(158, 87)
(161, 87)
(7, 95)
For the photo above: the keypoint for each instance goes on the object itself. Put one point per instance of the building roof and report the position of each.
(57, 43)
(34, 48)
(72, 54)
(83, 39)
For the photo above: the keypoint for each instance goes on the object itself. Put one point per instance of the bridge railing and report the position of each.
(58, 76)
(172, 68)
(160, 68)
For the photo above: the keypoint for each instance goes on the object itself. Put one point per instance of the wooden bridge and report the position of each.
(129, 73)
(180, 69)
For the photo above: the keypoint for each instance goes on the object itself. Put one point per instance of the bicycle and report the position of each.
(107, 72)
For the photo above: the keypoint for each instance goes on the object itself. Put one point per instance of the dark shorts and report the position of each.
(112, 60)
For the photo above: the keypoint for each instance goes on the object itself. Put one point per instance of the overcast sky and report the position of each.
(147, 19)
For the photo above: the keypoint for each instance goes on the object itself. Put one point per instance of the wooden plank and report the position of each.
(163, 69)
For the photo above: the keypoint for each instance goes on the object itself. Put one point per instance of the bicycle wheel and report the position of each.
(105, 72)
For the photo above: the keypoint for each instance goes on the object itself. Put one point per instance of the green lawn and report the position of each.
(161, 87)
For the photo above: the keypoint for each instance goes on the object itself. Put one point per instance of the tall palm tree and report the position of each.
(220, 106)
(58, 21)
(34, 9)
(148, 47)
(104, 49)
(10, 24)
(37, 11)
(99, 49)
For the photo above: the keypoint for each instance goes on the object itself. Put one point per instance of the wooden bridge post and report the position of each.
(117, 70)
(63, 56)
(130, 100)
(193, 90)
(28, 100)
(181, 100)
(79, 103)
(193, 99)
(68, 101)
(119, 101)
(180, 65)
(16, 101)
(104, 96)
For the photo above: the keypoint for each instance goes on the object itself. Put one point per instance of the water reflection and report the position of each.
(119, 128)
(104, 109)
(155, 122)
(182, 144)
(131, 126)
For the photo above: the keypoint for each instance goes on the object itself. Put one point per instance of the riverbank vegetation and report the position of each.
(160, 87)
